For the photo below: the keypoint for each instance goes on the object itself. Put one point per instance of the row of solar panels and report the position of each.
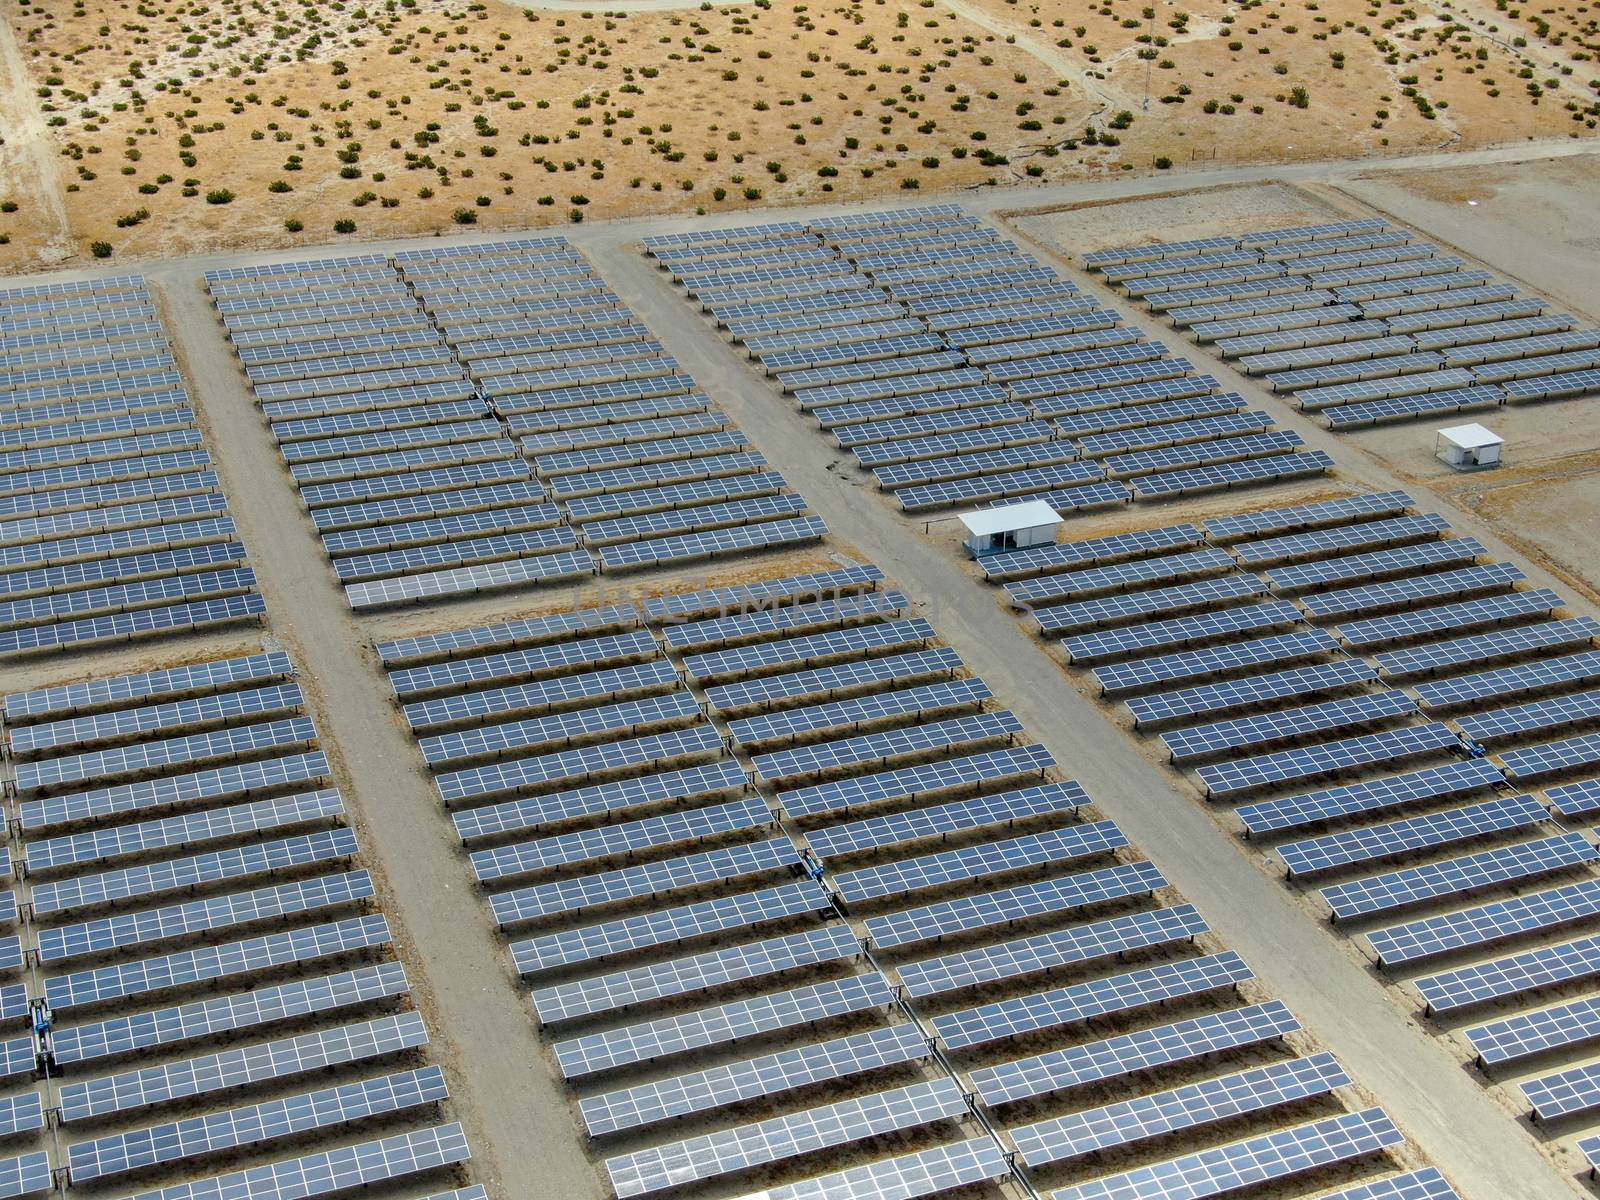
(199, 934)
(396, 423)
(1363, 325)
(937, 353)
(1184, 623)
(913, 839)
(112, 525)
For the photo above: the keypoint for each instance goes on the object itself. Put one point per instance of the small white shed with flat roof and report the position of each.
(1468, 447)
(1010, 527)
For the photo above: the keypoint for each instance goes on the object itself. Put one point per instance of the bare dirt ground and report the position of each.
(175, 127)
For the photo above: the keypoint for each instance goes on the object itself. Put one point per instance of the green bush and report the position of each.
(219, 196)
(100, 249)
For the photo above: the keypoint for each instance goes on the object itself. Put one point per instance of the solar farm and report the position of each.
(1359, 322)
(958, 370)
(1400, 717)
(610, 775)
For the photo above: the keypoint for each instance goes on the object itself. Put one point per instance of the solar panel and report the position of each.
(364, 1099)
(240, 1066)
(1026, 956)
(1163, 707)
(1549, 758)
(1129, 1121)
(1376, 795)
(1525, 860)
(767, 1075)
(921, 1173)
(1351, 847)
(722, 1024)
(1271, 1156)
(973, 862)
(1004, 808)
(875, 748)
(1547, 673)
(1123, 993)
(754, 960)
(918, 781)
(1528, 1034)
(1483, 925)
(1144, 673)
(743, 1148)
(1088, 648)
(791, 724)
(1402, 626)
(1093, 1062)
(1105, 610)
(1398, 593)
(1326, 758)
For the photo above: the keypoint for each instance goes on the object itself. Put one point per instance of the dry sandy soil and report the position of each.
(168, 121)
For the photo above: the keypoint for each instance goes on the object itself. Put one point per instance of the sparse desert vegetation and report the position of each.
(252, 122)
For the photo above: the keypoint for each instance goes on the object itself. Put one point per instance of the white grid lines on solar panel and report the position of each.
(679, 497)
(158, 564)
(975, 862)
(1429, 937)
(261, 1006)
(1122, 606)
(1353, 847)
(1092, 1062)
(26, 1175)
(1231, 474)
(710, 542)
(541, 695)
(135, 468)
(724, 775)
(1542, 967)
(881, 748)
(529, 662)
(1358, 349)
(1097, 337)
(20, 1114)
(606, 841)
(141, 623)
(1239, 326)
(1552, 387)
(895, 385)
(238, 820)
(234, 742)
(1164, 707)
(874, 439)
(212, 915)
(1111, 577)
(1404, 626)
(117, 517)
(526, 631)
(1046, 951)
(1399, 593)
(408, 536)
(1143, 673)
(1370, 796)
(409, 483)
(1326, 758)
(1125, 993)
(1093, 648)
(924, 780)
(1209, 431)
(1318, 542)
(743, 1148)
(1426, 1184)
(1219, 737)
(1034, 900)
(214, 1133)
(28, 741)
(185, 968)
(929, 1172)
(220, 783)
(397, 1156)
(658, 878)
(768, 1075)
(1553, 758)
(563, 728)
(611, 433)
(768, 656)
(768, 620)
(1540, 675)
(722, 1025)
(1287, 1152)
(1488, 647)
(1068, 500)
(1090, 552)
(1564, 1094)
(746, 597)
(1307, 516)
(1376, 564)
(811, 378)
(350, 446)
(701, 972)
(668, 927)
(836, 680)
(935, 821)
(1194, 1105)
(1063, 375)
(1575, 799)
(496, 779)
(938, 470)
(1453, 877)
(1526, 1035)
(793, 724)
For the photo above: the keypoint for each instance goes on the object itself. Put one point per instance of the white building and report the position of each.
(1010, 527)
